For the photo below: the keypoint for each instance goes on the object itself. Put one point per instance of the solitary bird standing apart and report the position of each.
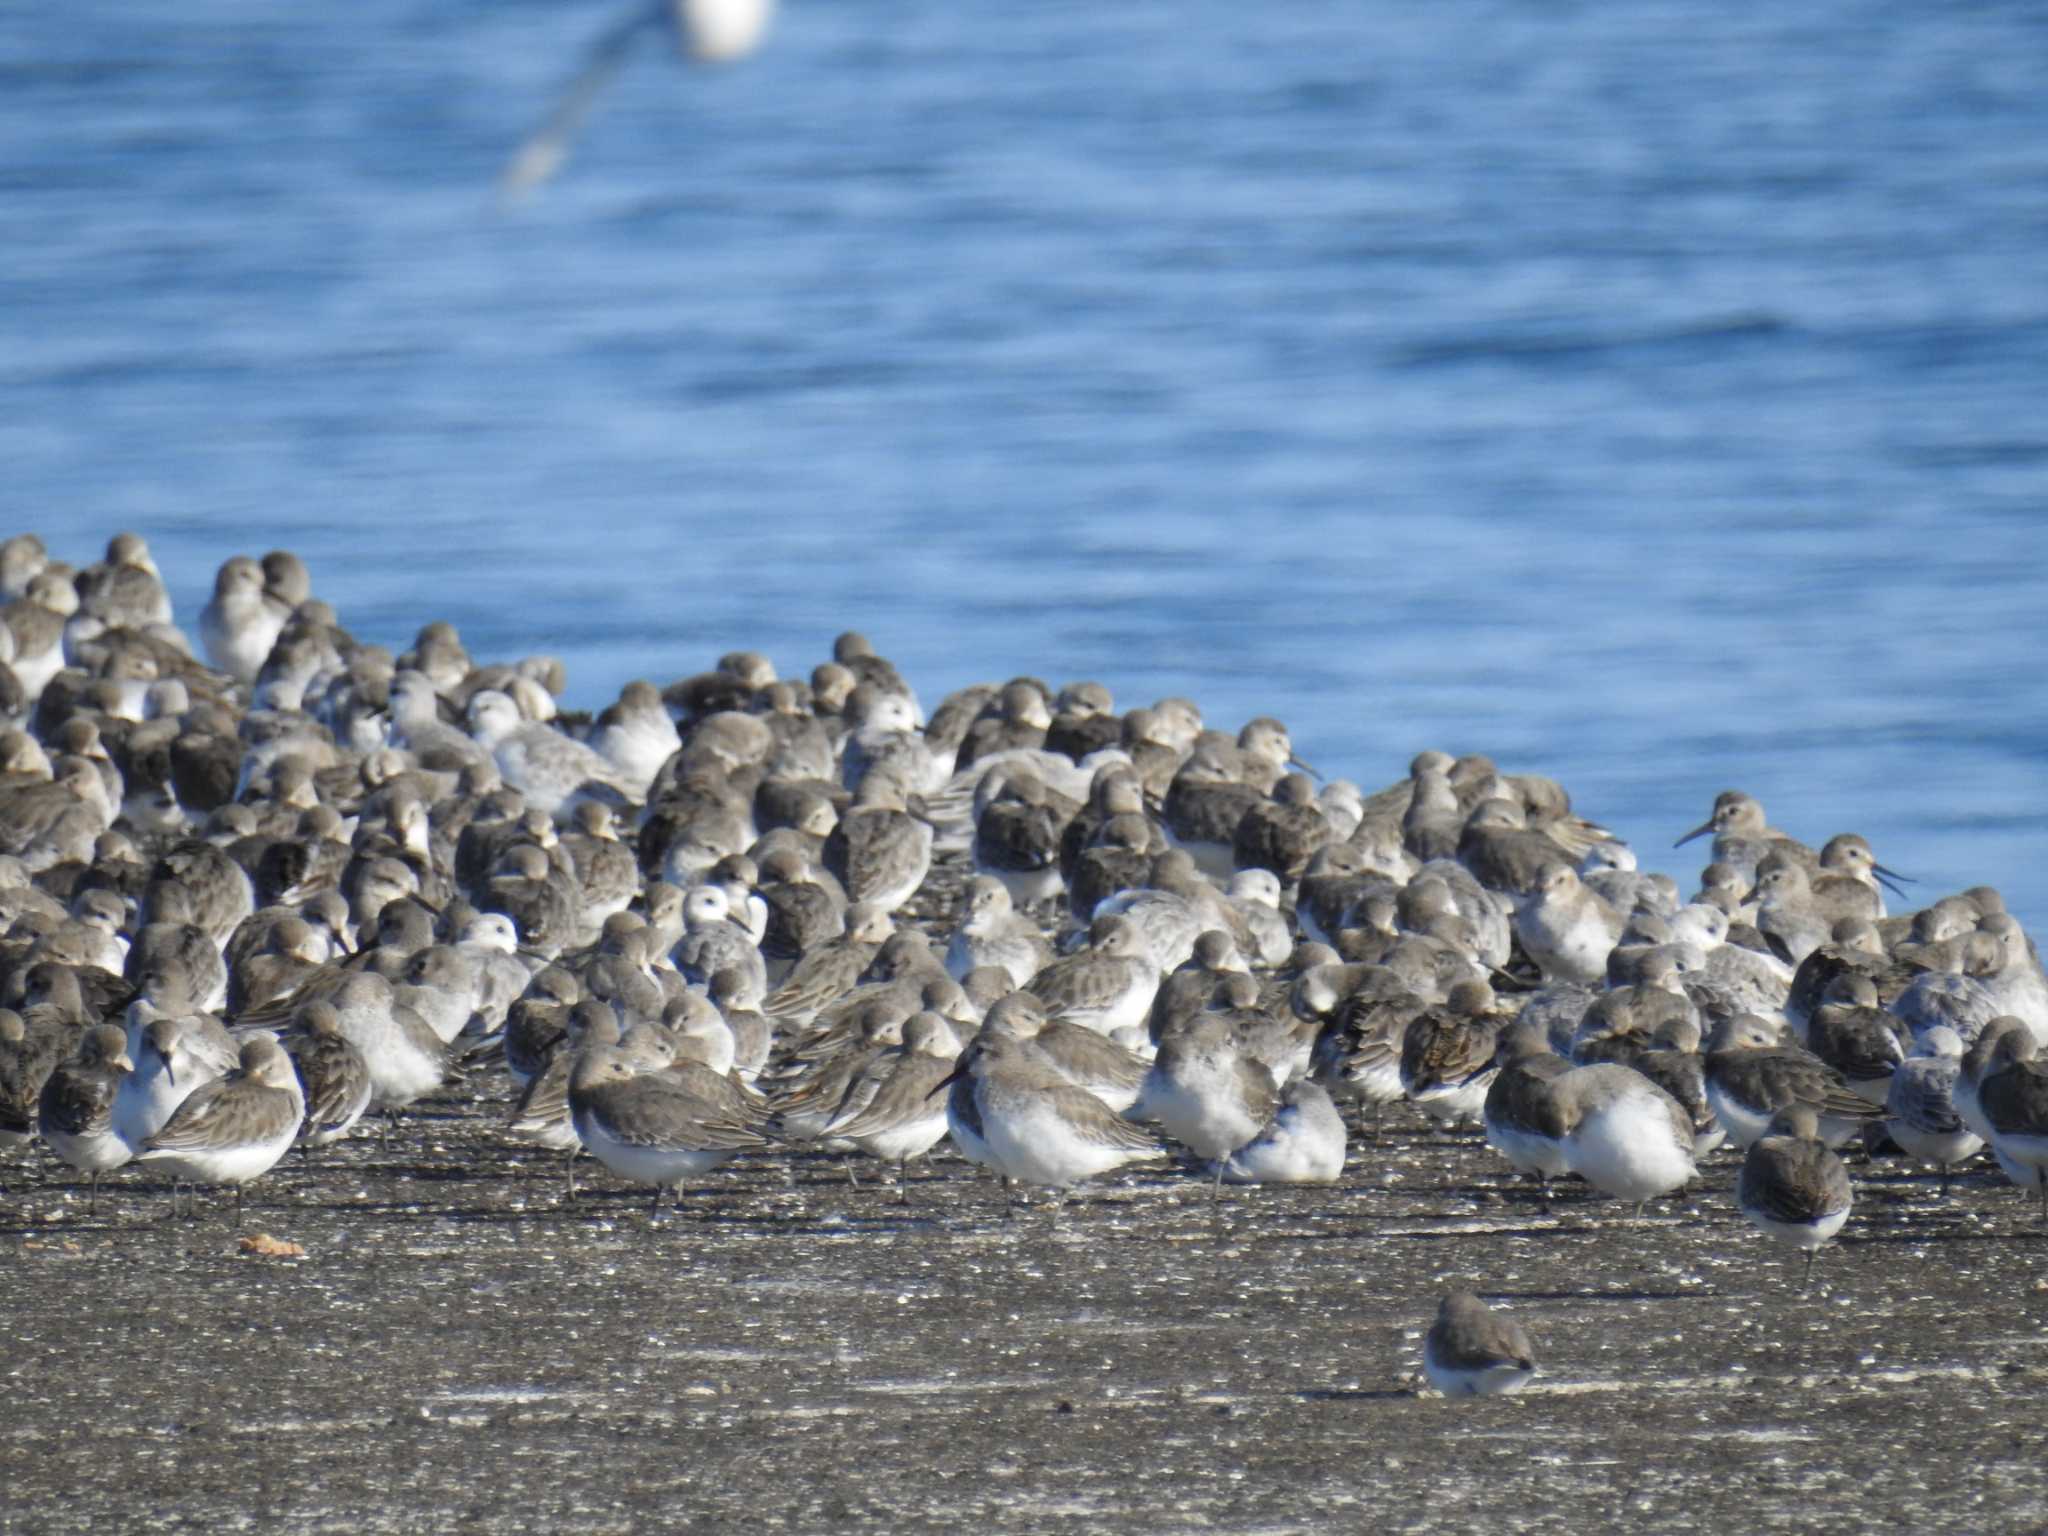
(706, 32)
(1473, 1351)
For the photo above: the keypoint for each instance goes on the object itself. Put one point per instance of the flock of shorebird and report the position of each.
(250, 894)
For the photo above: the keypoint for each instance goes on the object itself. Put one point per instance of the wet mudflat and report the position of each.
(459, 1348)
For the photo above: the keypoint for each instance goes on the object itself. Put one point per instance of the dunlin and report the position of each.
(235, 1128)
(2013, 1096)
(1744, 838)
(1032, 1125)
(1447, 1054)
(333, 1077)
(1523, 1118)
(1625, 1135)
(1357, 1054)
(1793, 1188)
(879, 851)
(1751, 1076)
(1473, 1351)
(1921, 1101)
(1206, 1092)
(75, 1112)
(1018, 824)
(992, 932)
(1206, 802)
(1083, 1057)
(1857, 1038)
(906, 1117)
(1109, 986)
(656, 1127)
(1302, 1144)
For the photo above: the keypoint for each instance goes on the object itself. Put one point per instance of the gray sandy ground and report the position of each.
(460, 1349)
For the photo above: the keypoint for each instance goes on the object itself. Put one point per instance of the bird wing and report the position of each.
(194, 1122)
(649, 1110)
(1092, 1120)
(547, 148)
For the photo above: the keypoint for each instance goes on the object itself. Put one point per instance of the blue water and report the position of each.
(1649, 394)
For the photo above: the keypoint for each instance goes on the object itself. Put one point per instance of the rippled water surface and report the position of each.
(1648, 394)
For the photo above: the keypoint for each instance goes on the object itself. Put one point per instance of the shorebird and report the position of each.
(1018, 826)
(26, 1061)
(1976, 1066)
(1750, 1077)
(1207, 800)
(1793, 1188)
(1302, 1144)
(1284, 833)
(1567, 928)
(2012, 1095)
(830, 969)
(705, 32)
(332, 1075)
(905, 1118)
(879, 851)
(1083, 1057)
(1743, 836)
(1109, 986)
(1473, 1351)
(1524, 1121)
(1206, 1092)
(406, 1059)
(1921, 1101)
(235, 1128)
(1012, 1112)
(553, 771)
(238, 626)
(1447, 1054)
(542, 1114)
(992, 932)
(1357, 1054)
(171, 1058)
(1624, 1135)
(636, 736)
(658, 1127)
(1857, 1038)
(76, 1110)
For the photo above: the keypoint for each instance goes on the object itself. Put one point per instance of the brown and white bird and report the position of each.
(1793, 1188)
(1474, 1351)
(235, 1128)
(76, 1109)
